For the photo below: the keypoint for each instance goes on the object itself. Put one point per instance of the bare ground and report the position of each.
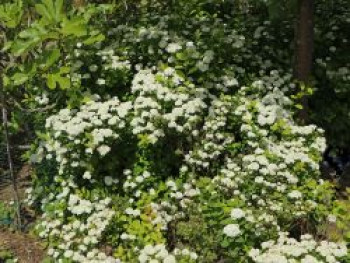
(26, 248)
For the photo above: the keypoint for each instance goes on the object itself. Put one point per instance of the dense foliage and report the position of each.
(166, 131)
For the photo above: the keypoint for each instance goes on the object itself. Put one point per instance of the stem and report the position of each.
(9, 157)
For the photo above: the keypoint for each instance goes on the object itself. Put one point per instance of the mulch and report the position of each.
(24, 247)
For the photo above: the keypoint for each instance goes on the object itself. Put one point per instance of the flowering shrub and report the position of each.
(184, 149)
(307, 250)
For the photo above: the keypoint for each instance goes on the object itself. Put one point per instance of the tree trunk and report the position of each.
(304, 45)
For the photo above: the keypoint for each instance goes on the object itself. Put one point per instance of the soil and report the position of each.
(26, 248)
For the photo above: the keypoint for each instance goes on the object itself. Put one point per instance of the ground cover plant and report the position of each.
(168, 132)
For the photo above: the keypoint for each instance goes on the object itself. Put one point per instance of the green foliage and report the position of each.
(6, 256)
(342, 218)
(280, 10)
(7, 214)
(11, 13)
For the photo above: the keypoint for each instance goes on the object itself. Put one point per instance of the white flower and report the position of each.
(143, 258)
(134, 212)
(51, 251)
(237, 213)
(295, 194)
(149, 250)
(259, 179)
(139, 179)
(108, 180)
(103, 149)
(232, 230)
(185, 252)
(309, 259)
(101, 82)
(93, 68)
(254, 253)
(231, 82)
(332, 218)
(87, 175)
(193, 255)
(169, 259)
(173, 48)
(253, 166)
(68, 253)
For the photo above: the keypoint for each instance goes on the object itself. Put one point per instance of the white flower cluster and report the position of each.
(215, 138)
(274, 150)
(159, 254)
(307, 250)
(232, 230)
(79, 237)
(158, 107)
(100, 120)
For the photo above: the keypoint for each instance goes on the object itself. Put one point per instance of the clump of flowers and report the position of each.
(159, 253)
(307, 250)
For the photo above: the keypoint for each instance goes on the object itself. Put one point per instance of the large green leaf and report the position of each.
(11, 14)
(51, 81)
(59, 10)
(28, 38)
(75, 26)
(94, 39)
(19, 78)
(49, 57)
(19, 47)
(31, 37)
(50, 11)
(59, 79)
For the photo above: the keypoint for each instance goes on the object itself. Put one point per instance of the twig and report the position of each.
(43, 109)
(9, 156)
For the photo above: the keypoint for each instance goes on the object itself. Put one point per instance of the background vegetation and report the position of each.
(178, 130)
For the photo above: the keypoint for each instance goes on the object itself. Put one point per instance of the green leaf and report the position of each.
(57, 79)
(58, 9)
(29, 38)
(64, 82)
(50, 81)
(181, 56)
(50, 57)
(11, 14)
(6, 81)
(44, 12)
(50, 11)
(75, 26)
(7, 46)
(64, 70)
(19, 78)
(94, 39)
(19, 47)
(225, 243)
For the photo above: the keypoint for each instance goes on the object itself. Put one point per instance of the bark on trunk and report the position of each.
(304, 45)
